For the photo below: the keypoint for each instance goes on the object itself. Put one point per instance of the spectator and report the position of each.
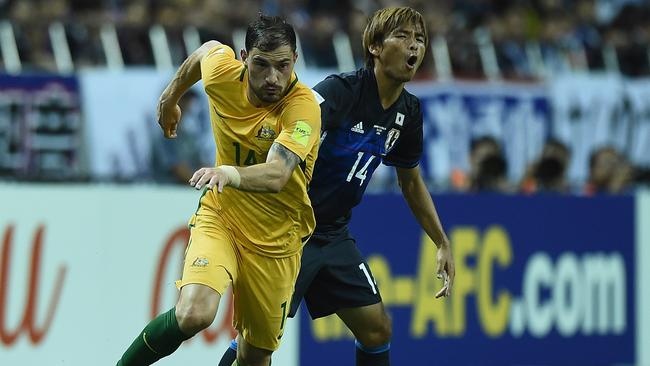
(609, 172)
(548, 173)
(571, 34)
(488, 167)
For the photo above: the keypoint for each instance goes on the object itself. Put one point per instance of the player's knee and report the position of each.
(379, 334)
(383, 332)
(192, 318)
(255, 357)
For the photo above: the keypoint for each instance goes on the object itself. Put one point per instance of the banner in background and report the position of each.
(637, 107)
(40, 127)
(517, 115)
(120, 112)
(583, 111)
(84, 268)
(593, 111)
(122, 132)
(589, 113)
(544, 280)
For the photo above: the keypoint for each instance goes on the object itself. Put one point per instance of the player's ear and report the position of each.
(374, 49)
(243, 54)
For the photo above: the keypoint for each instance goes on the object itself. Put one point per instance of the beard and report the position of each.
(267, 98)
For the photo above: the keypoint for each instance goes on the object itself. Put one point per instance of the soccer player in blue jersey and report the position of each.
(367, 118)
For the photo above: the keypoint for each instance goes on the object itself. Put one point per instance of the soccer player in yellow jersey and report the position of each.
(368, 118)
(254, 214)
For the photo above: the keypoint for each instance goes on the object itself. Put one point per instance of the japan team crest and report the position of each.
(391, 139)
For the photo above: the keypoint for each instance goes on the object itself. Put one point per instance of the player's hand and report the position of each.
(168, 115)
(445, 269)
(210, 177)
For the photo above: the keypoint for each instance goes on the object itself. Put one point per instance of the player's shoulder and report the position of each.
(220, 49)
(301, 94)
(220, 64)
(342, 83)
(352, 77)
(355, 81)
(220, 55)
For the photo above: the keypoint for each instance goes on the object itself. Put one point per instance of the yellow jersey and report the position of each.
(271, 224)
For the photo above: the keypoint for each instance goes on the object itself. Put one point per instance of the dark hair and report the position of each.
(491, 171)
(268, 33)
(555, 143)
(484, 140)
(548, 170)
(383, 22)
(597, 153)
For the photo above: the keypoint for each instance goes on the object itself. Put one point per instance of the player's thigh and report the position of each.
(210, 258)
(365, 320)
(311, 262)
(247, 354)
(345, 281)
(262, 296)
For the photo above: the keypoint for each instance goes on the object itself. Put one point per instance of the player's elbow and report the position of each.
(407, 178)
(400, 183)
(276, 184)
(404, 184)
(273, 186)
(277, 176)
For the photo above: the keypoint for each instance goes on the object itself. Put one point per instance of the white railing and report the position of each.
(159, 41)
(10, 56)
(160, 47)
(60, 48)
(111, 47)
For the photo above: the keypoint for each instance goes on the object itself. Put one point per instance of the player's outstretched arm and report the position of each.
(272, 175)
(268, 177)
(419, 200)
(168, 111)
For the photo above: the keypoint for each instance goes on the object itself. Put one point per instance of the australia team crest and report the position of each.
(266, 133)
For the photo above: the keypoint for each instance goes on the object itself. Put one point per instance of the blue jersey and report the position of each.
(357, 135)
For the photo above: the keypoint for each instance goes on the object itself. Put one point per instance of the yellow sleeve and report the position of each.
(217, 62)
(300, 126)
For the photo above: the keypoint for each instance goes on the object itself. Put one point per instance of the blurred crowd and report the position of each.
(573, 34)
(609, 171)
(576, 34)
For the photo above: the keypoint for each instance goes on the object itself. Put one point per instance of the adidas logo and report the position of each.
(358, 128)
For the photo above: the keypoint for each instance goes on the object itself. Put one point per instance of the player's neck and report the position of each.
(254, 100)
(389, 89)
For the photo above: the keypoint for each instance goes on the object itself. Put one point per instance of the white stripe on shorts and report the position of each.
(365, 271)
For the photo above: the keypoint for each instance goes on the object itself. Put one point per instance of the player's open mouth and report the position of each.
(411, 61)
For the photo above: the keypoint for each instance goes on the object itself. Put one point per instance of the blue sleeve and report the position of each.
(337, 100)
(408, 148)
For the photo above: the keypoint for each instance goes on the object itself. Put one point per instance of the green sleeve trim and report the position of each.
(292, 85)
(243, 71)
